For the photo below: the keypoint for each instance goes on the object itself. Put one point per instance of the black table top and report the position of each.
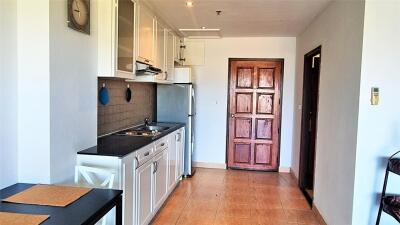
(76, 213)
(120, 146)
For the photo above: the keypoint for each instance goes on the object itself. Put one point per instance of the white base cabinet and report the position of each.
(147, 176)
(160, 178)
(124, 169)
(175, 158)
(144, 186)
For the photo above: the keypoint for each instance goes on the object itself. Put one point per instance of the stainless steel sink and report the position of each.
(151, 130)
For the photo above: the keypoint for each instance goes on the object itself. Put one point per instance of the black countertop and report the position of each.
(120, 146)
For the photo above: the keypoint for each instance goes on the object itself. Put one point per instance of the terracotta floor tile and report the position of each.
(237, 198)
(302, 217)
(233, 205)
(166, 217)
(234, 197)
(267, 204)
(271, 214)
(300, 204)
(234, 221)
(234, 210)
(203, 205)
(196, 218)
(176, 204)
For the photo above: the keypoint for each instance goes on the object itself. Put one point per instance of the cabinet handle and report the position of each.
(162, 144)
(147, 154)
(137, 162)
(155, 167)
(178, 137)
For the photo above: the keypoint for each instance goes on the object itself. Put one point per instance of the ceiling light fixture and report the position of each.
(189, 3)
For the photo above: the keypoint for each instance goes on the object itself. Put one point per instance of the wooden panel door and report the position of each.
(254, 114)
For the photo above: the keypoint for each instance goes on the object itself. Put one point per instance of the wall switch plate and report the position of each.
(374, 96)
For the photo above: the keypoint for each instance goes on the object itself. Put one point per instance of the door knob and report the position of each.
(232, 115)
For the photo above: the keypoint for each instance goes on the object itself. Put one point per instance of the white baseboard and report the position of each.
(284, 169)
(223, 166)
(209, 165)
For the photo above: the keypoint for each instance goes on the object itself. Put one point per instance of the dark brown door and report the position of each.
(254, 114)
(312, 61)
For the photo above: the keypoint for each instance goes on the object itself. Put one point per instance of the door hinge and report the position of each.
(279, 101)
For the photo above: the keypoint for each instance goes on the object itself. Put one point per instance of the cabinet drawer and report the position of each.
(145, 154)
(161, 145)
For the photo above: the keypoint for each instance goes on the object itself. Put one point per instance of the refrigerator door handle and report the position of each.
(193, 109)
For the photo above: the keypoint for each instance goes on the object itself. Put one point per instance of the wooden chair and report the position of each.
(390, 204)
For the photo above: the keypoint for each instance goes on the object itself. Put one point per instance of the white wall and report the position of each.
(50, 101)
(8, 93)
(378, 126)
(339, 29)
(33, 91)
(211, 82)
(73, 90)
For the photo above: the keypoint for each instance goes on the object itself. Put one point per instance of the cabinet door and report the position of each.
(170, 54)
(172, 160)
(144, 189)
(180, 147)
(160, 179)
(180, 155)
(178, 50)
(115, 38)
(160, 49)
(146, 36)
(194, 53)
(128, 188)
(125, 37)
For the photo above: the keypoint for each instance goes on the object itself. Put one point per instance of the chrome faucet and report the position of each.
(147, 121)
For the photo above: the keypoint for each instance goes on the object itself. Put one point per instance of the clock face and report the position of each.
(79, 15)
(80, 12)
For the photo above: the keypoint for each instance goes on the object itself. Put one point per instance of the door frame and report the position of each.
(304, 127)
(230, 60)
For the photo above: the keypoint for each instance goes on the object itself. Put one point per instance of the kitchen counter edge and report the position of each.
(134, 143)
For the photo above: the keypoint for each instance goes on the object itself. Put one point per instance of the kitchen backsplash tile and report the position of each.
(118, 113)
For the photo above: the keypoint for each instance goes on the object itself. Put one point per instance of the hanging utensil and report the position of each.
(104, 98)
(128, 94)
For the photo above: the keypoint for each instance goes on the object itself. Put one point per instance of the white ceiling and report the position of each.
(241, 17)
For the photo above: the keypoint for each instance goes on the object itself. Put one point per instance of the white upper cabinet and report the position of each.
(178, 50)
(128, 31)
(170, 55)
(126, 34)
(160, 47)
(194, 53)
(116, 38)
(146, 37)
(160, 51)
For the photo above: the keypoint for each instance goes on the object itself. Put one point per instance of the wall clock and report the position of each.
(79, 15)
